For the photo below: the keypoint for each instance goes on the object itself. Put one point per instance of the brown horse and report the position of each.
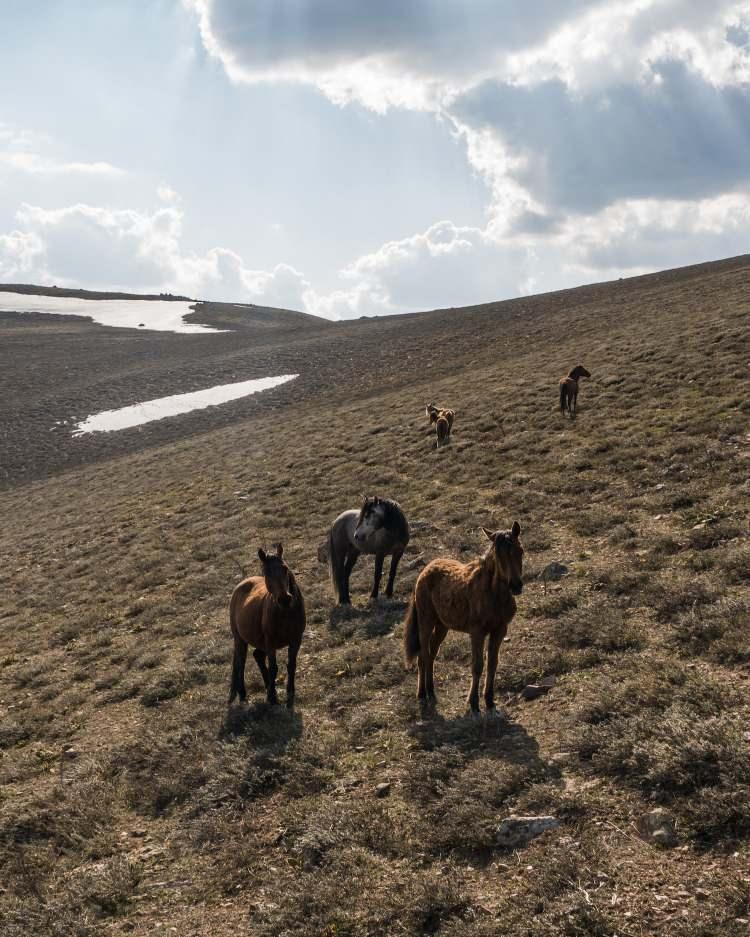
(268, 612)
(569, 388)
(442, 418)
(476, 598)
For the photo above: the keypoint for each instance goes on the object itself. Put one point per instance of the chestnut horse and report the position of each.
(442, 418)
(475, 598)
(569, 388)
(268, 612)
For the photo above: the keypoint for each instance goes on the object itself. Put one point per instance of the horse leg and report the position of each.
(351, 558)
(273, 672)
(436, 639)
(379, 557)
(237, 686)
(493, 646)
(477, 665)
(291, 670)
(260, 660)
(421, 686)
(427, 623)
(395, 557)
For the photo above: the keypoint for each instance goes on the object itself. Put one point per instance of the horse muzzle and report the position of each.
(285, 601)
(516, 587)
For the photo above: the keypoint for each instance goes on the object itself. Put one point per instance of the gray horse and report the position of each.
(379, 527)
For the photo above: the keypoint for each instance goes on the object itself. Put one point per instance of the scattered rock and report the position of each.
(658, 827)
(311, 848)
(416, 562)
(563, 758)
(383, 790)
(554, 571)
(535, 690)
(515, 832)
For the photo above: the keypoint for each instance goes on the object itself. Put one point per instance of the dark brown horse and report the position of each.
(267, 612)
(442, 419)
(475, 598)
(379, 527)
(569, 388)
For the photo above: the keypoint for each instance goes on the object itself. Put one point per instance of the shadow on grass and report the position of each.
(496, 735)
(265, 725)
(379, 617)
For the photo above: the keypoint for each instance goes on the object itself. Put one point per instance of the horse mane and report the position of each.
(393, 517)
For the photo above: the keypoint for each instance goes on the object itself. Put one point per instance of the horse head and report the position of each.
(578, 372)
(508, 554)
(277, 575)
(371, 519)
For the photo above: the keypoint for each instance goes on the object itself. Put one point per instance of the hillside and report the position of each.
(132, 798)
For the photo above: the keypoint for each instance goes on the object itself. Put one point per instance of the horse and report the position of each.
(268, 612)
(442, 418)
(379, 527)
(569, 388)
(476, 598)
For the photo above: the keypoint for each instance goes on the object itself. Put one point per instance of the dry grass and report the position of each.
(171, 811)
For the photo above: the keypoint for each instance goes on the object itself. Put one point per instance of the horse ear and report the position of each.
(279, 550)
(262, 555)
(515, 530)
(489, 534)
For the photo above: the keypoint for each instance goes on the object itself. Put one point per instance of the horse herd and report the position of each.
(476, 598)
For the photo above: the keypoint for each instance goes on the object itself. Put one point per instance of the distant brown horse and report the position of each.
(268, 612)
(476, 598)
(569, 388)
(442, 418)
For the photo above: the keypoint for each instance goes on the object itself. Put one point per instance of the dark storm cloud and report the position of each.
(424, 36)
(675, 137)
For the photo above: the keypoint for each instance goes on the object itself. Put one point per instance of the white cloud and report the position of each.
(104, 248)
(21, 151)
(36, 164)
(20, 252)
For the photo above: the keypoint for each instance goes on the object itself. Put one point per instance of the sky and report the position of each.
(349, 158)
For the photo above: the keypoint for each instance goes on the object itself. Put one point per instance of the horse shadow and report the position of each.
(376, 619)
(497, 736)
(266, 725)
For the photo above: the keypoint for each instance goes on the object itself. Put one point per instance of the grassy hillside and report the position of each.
(132, 798)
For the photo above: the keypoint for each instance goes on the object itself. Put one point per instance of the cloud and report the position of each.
(382, 54)
(20, 252)
(39, 165)
(674, 137)
(104, 248)
(20, 151)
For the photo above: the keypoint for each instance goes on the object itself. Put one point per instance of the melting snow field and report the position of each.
(150, 410)
(158, 315)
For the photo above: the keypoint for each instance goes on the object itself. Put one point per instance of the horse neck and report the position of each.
(487, 573)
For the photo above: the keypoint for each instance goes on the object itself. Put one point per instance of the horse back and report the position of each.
(461, 596)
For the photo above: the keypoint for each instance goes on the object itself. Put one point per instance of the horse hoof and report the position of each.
(493, 714)
(474, 715)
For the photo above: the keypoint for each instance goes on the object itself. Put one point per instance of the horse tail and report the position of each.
(563, 395)
(411, 631)
(335, 565)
